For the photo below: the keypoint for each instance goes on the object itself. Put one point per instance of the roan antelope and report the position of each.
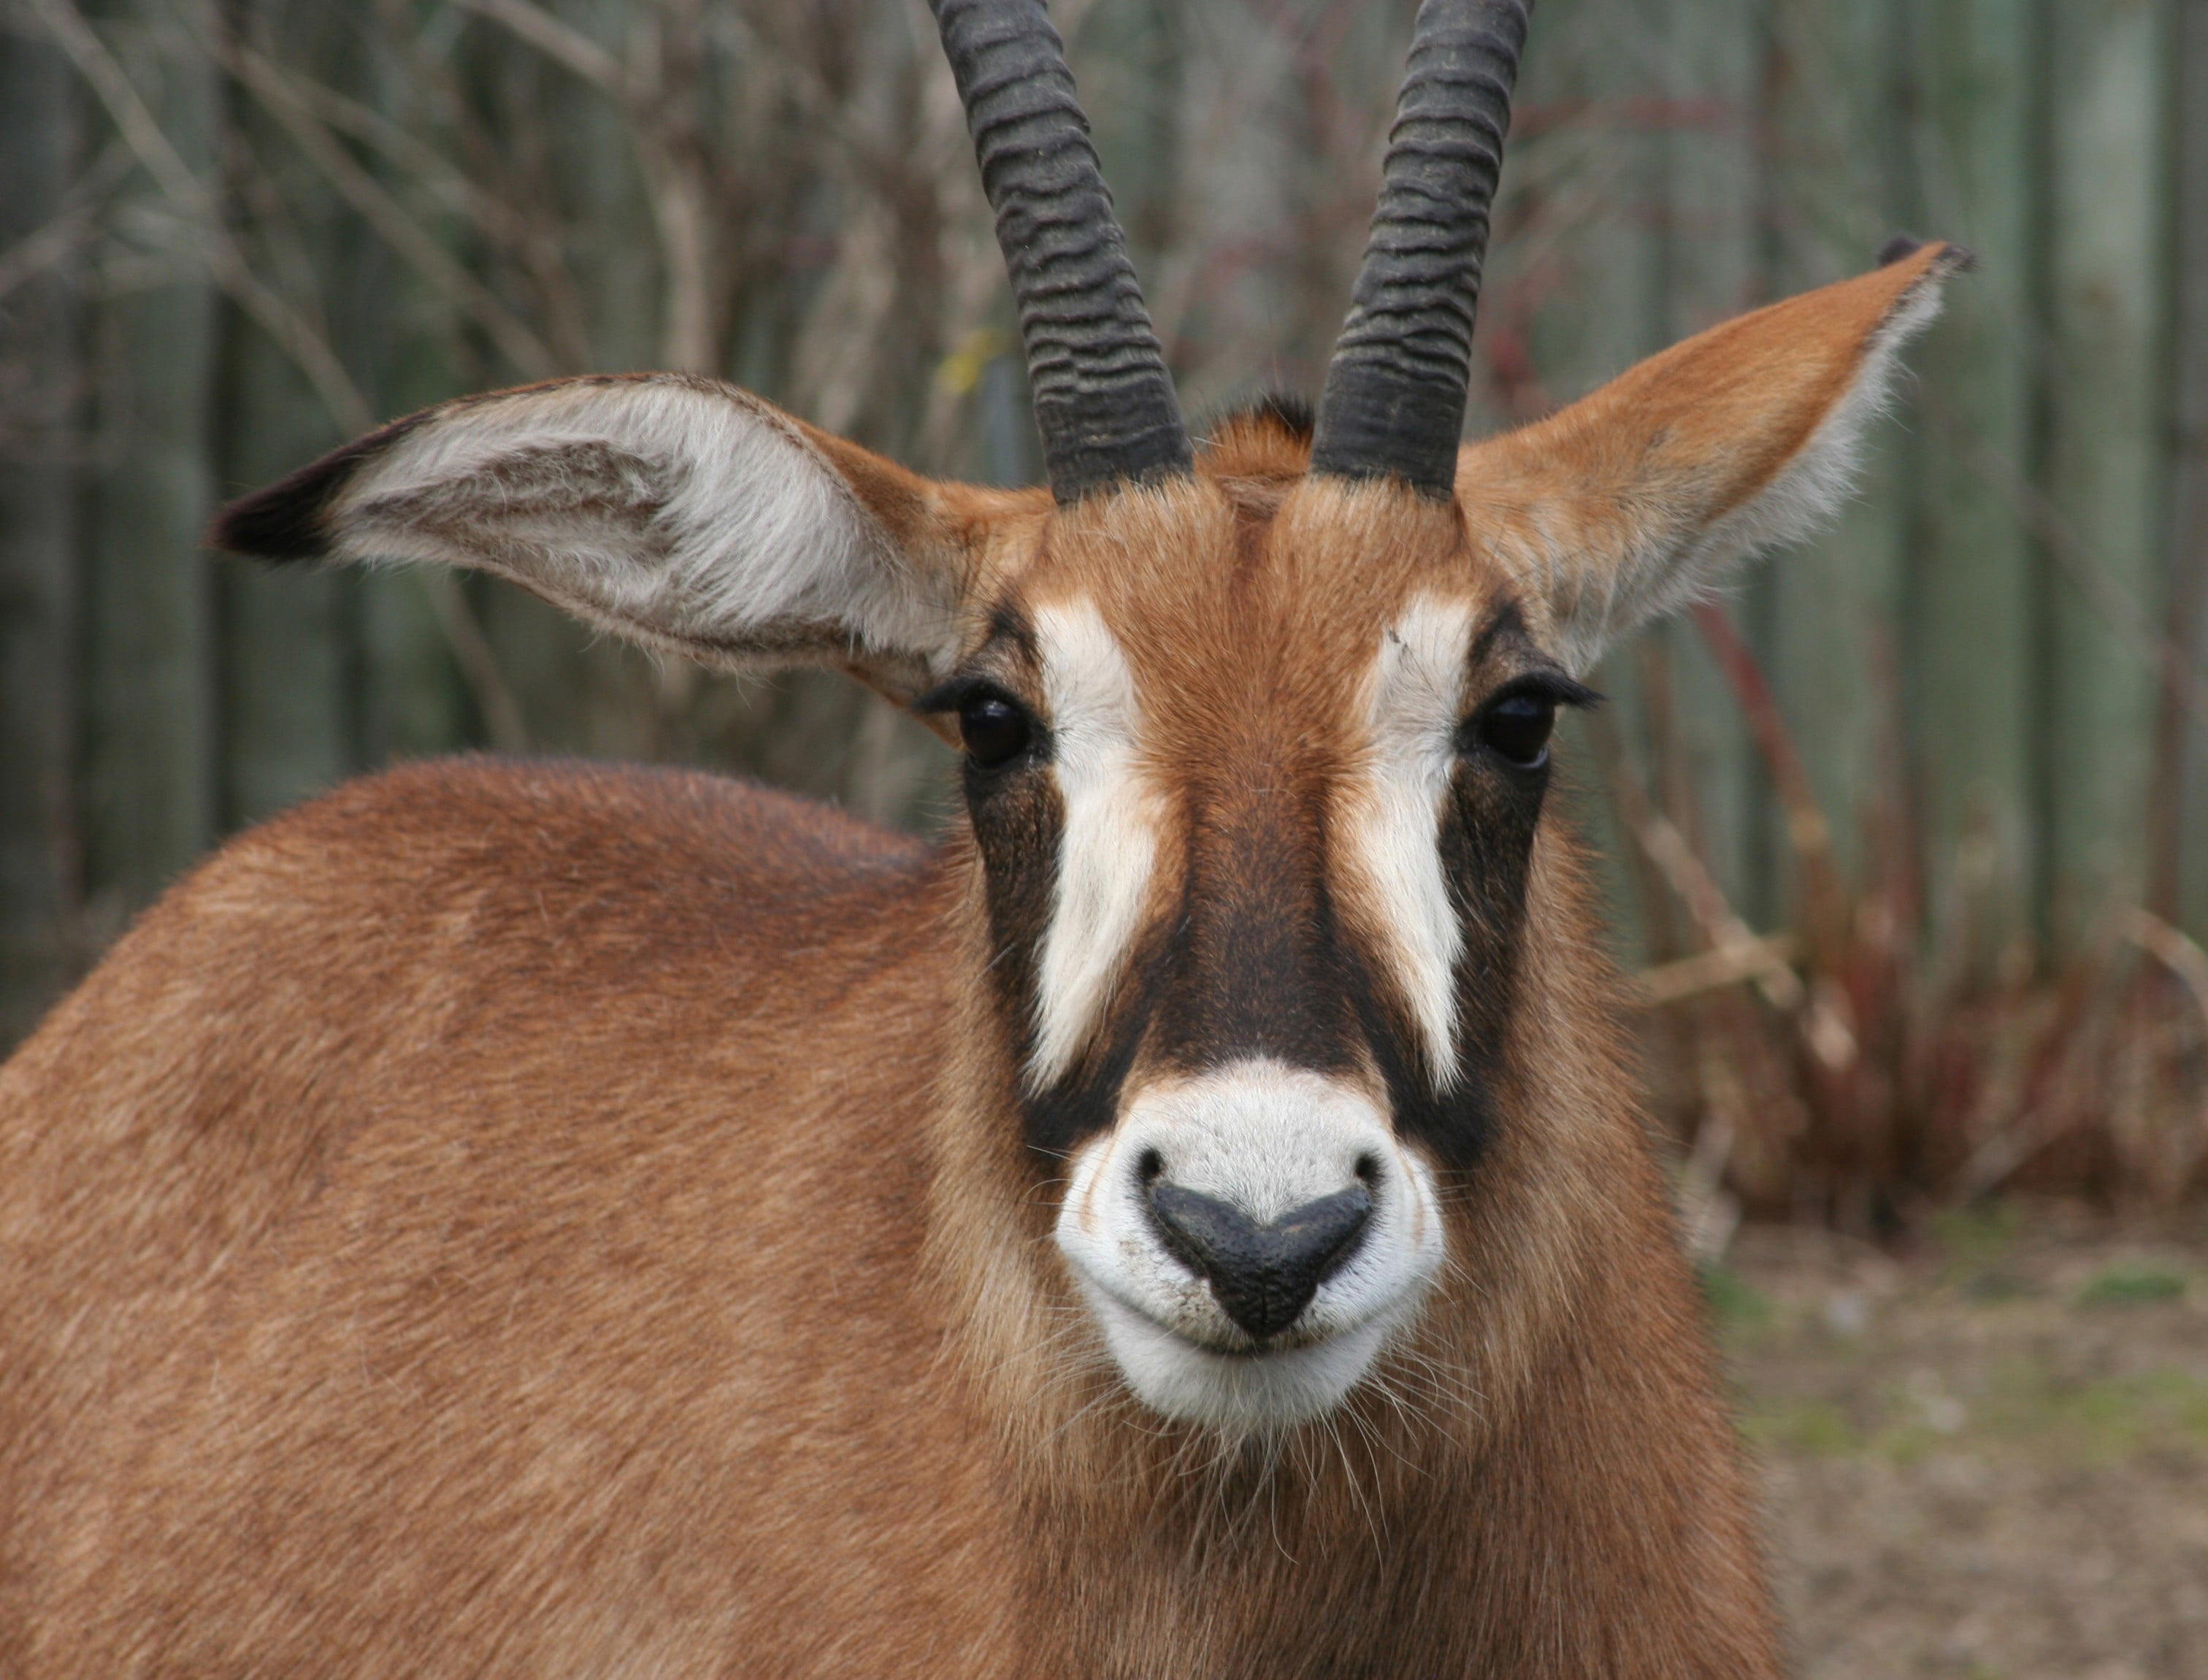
(533, 1219)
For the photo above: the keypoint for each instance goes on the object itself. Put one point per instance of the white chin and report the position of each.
(1233, 1391)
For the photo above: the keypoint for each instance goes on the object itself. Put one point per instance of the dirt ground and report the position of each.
(1987, 1456)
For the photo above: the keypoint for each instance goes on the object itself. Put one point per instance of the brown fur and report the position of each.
(545, 1220)
(367, 1313)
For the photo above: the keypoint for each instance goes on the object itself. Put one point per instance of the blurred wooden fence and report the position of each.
(232, 234)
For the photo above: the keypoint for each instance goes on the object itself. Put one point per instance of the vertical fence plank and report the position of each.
(39, 378)
(1833, 98)
(1972, 618)
(1714, 269)
(2102, 580)
(2185, 891)
(148, 764)
(285, 722)
(1590, 280)
(576, 691)
(613, 263)
(413, 700)
(1584, 265)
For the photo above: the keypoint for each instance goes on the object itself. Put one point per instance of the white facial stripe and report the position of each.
(1394, 813)
(1110, 843)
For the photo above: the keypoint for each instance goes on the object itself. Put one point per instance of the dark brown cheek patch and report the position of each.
(1019, 824)
(1084, 1100)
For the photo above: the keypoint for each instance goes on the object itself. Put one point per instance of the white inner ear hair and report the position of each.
(1394, 812)
(1814, 485)
(1108, 850)
(679, 512)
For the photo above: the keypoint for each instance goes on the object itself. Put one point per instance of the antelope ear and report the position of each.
(682, 514)
(1634, 500)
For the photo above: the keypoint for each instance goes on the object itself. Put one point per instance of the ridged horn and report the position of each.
(1103, 399)
(1394, 402)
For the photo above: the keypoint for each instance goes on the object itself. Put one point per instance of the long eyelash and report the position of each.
(952, 695)
(1553, 687)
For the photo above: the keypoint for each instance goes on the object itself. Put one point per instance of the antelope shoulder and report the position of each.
(473, 1141)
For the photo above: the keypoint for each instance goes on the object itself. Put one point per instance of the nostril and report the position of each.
(1148, 1165)
(1328, 1232)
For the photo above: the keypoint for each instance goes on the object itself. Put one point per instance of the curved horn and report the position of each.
(1103, 400)
(1394, 402)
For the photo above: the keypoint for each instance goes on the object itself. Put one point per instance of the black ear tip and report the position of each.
(286, 522)
(281, 523)
(1954, 259)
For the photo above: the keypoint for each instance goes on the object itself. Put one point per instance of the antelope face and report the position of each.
(1254, 767)
(1255, 737)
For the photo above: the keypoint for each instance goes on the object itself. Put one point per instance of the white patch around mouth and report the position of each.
(1234, 1392)
(1268, 1138)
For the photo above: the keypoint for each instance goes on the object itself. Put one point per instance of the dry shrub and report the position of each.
(1869, 1067)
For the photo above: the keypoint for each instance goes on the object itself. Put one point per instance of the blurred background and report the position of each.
(1907, 838)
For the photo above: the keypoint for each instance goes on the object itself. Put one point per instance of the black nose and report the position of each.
(1262, 1274)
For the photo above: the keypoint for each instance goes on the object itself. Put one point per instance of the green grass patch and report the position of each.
(1734, 1304)
(1973, 1241)
(1807, 1429)
(2114, 1419)
(2102, 1422)
(2132, 1286)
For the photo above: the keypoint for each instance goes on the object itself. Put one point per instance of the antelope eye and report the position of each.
(994, 730)
(1517, 726)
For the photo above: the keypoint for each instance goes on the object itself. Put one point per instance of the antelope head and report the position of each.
(1263, 913)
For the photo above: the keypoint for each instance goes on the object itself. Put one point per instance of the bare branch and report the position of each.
(306, 347)
(562, 43)
(405, 236)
